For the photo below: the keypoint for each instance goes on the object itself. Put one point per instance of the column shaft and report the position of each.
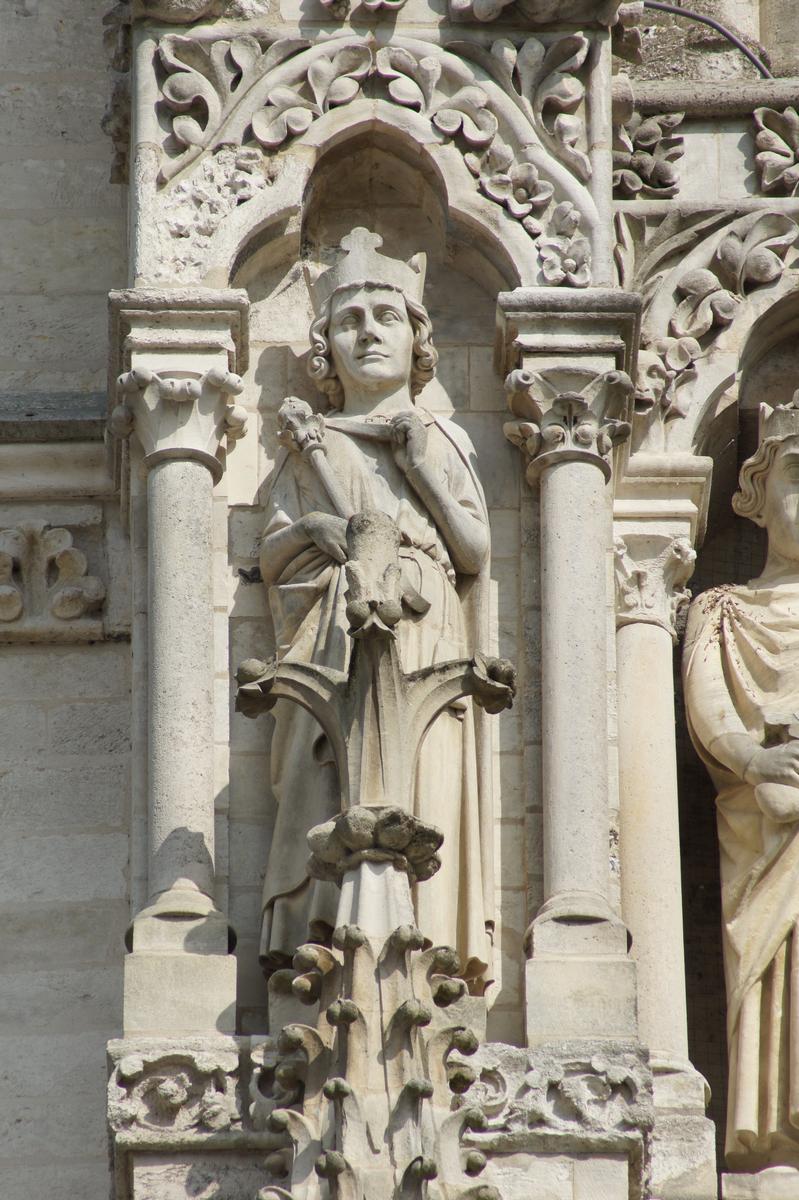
(574, 521)
(649, 834)
(181, 732)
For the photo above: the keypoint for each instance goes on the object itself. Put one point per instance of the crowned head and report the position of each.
(768, 492)
(378, 292)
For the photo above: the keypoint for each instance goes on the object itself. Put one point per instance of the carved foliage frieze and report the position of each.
(46, 591)
(514, 111)
(571, 1090)
(174, 1087)
(697, 270)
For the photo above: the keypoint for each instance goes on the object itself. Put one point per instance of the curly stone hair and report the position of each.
(749, 501)
(323, 372)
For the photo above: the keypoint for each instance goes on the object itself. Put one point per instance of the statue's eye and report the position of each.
(347, 321)
(388, 316)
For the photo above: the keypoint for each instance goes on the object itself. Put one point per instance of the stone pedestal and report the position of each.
(176, 352)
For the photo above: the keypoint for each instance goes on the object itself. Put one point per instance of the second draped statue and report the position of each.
(371, 354)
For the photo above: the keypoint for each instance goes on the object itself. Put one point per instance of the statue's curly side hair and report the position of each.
(320, 364)
(749, 501)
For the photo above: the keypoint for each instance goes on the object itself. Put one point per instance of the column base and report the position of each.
(171, 994)
(570, 997)
(179, 977)
(684, 1140)
(772, 1183)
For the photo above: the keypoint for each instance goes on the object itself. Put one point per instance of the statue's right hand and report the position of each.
(774, 764)
(328, 533)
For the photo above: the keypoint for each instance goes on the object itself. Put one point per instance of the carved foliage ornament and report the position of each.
(728, 260)
(572, 1092)
(777, 143)
(645, 153)
(650, 581)
(182, 416)
(45, 588)
(174, 1088)
(236, 93)
(584, 424)
(742, 260)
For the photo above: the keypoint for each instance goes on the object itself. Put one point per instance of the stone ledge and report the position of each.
(52, 417)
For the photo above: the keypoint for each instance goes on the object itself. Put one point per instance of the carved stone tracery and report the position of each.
(516, 112)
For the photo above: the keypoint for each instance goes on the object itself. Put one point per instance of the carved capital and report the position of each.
(185, 415)
(579, 424)
(651, 573)
(176, 355)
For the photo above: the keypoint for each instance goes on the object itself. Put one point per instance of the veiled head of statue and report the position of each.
(371, 329)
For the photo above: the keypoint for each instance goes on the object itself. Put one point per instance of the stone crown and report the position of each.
(779, 421)
(361, 262)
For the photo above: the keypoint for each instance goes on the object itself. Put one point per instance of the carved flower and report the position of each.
(516, 186)
(777, 140)
(566, 256)
(644, 156)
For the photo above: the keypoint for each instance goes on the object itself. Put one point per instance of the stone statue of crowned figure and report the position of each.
(741, 668)
(371, 354)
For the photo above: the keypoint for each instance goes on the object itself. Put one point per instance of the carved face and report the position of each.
(371, 338)
(651, 381)
(781, 506)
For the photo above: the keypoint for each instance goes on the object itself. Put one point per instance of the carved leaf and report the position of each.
(337, 81)
(213, 90)
(412, 81)
(706, 304)
(758, 256)
(286, 113)
(777, 139)
(466, 113)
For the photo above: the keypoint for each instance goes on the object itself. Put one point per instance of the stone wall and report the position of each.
(63, 910)
(64, 794)
(62, 224)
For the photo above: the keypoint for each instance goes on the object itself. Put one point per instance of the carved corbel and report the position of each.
(568, 425)
(651, 572)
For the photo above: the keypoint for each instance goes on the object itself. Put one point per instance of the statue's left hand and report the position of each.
(409, 440)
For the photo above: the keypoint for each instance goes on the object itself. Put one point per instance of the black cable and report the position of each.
(719, 28)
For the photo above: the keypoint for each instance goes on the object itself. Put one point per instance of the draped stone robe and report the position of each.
(742, 676)
(308, 610)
